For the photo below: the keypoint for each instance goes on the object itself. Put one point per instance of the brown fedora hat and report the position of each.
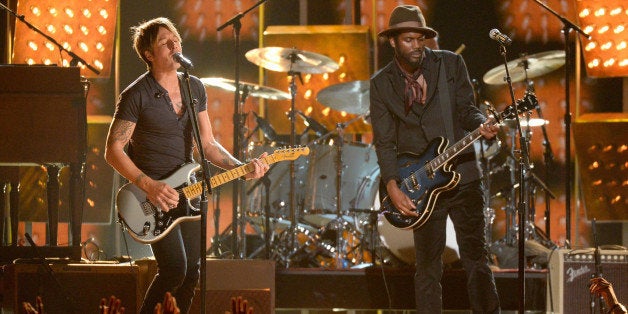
(407, 18)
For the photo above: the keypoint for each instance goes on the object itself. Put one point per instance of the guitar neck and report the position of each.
(453, 150)
(195, 190)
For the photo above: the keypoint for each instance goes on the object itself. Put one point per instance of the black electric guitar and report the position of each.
(147, 224)
(427, 175)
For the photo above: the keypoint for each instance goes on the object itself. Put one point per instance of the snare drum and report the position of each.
(279, 189)
(359, 182)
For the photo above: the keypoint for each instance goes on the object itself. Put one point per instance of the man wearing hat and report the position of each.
(423, 94)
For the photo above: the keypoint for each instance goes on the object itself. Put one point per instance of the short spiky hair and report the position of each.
(145, 35)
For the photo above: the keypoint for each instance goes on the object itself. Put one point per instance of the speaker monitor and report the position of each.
(69, 288)
(570, 272)
(253, 280)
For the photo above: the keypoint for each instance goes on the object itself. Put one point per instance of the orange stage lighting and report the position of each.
(86, 28)
(605, 53)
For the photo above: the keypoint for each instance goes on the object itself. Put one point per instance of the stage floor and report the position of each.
(393, 289)
(296, 290)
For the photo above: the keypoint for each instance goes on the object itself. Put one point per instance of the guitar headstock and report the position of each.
(291, 153)
(527, 103)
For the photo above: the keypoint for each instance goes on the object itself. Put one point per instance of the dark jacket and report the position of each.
(395, 132)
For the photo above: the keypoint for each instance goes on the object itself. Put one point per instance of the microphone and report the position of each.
(497, 36)
(266, 128)
(318, 128)
(183, 61)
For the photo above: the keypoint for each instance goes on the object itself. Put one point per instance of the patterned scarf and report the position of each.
(416, 87)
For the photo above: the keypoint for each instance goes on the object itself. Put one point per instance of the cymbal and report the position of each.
(534, 122)
(290, 59)
(538, 64)
(350, 97)
(253, 89)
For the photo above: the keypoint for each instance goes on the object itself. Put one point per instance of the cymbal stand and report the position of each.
(548, 158)
(568, 26)
(339, 222)
(489, 212)
(237, 126)
(292, 239)
(511, 198)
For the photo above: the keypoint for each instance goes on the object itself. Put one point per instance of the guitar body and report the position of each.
(421, 184)
(144, 222)
(147, 224)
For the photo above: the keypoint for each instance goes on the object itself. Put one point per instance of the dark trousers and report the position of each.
(464, 205)
(178, 264)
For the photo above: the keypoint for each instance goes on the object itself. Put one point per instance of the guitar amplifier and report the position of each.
(69, 288)
(570, 272)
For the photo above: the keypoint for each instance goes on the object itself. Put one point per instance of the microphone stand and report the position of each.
(567, 27)
(523, 168)
(75, 58)
(237, 119)
(206, 184)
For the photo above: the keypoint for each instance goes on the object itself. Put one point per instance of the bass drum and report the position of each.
(359, 182)
(400, 242)
(279, 189)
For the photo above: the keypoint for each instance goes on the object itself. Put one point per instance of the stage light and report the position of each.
(605, 53)
(85, 28)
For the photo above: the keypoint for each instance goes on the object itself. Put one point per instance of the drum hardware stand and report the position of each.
(237, 126)
(489, 212)
(216, 248)
(292, 239)
(267, 231)
(338, 222)
(548, 157)
(568, 26)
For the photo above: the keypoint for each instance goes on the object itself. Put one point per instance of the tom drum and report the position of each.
(359, 182)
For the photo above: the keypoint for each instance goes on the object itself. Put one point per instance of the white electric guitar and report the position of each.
(147, 224)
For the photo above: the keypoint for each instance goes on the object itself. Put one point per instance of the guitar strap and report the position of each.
(445, 104)
(186, 104)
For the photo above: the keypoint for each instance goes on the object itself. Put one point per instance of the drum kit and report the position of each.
(321, 210)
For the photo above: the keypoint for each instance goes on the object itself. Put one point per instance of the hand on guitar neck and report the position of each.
(489, 128)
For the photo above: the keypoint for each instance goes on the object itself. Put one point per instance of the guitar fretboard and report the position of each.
(195, 190)
(453, 150)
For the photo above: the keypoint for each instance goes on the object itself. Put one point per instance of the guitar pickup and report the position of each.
(415, 182)
(147, 208)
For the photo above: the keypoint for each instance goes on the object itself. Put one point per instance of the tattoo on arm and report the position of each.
(121, 131)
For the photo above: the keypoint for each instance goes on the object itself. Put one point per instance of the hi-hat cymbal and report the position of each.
(350, 97)
(538, 64)
(253, 89)
(290, 59)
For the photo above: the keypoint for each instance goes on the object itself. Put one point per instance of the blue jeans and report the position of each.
(178, 264)
(464, 205)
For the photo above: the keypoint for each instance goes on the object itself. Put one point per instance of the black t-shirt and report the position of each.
(161, 141)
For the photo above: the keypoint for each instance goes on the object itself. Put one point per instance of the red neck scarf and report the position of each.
(414, 89)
